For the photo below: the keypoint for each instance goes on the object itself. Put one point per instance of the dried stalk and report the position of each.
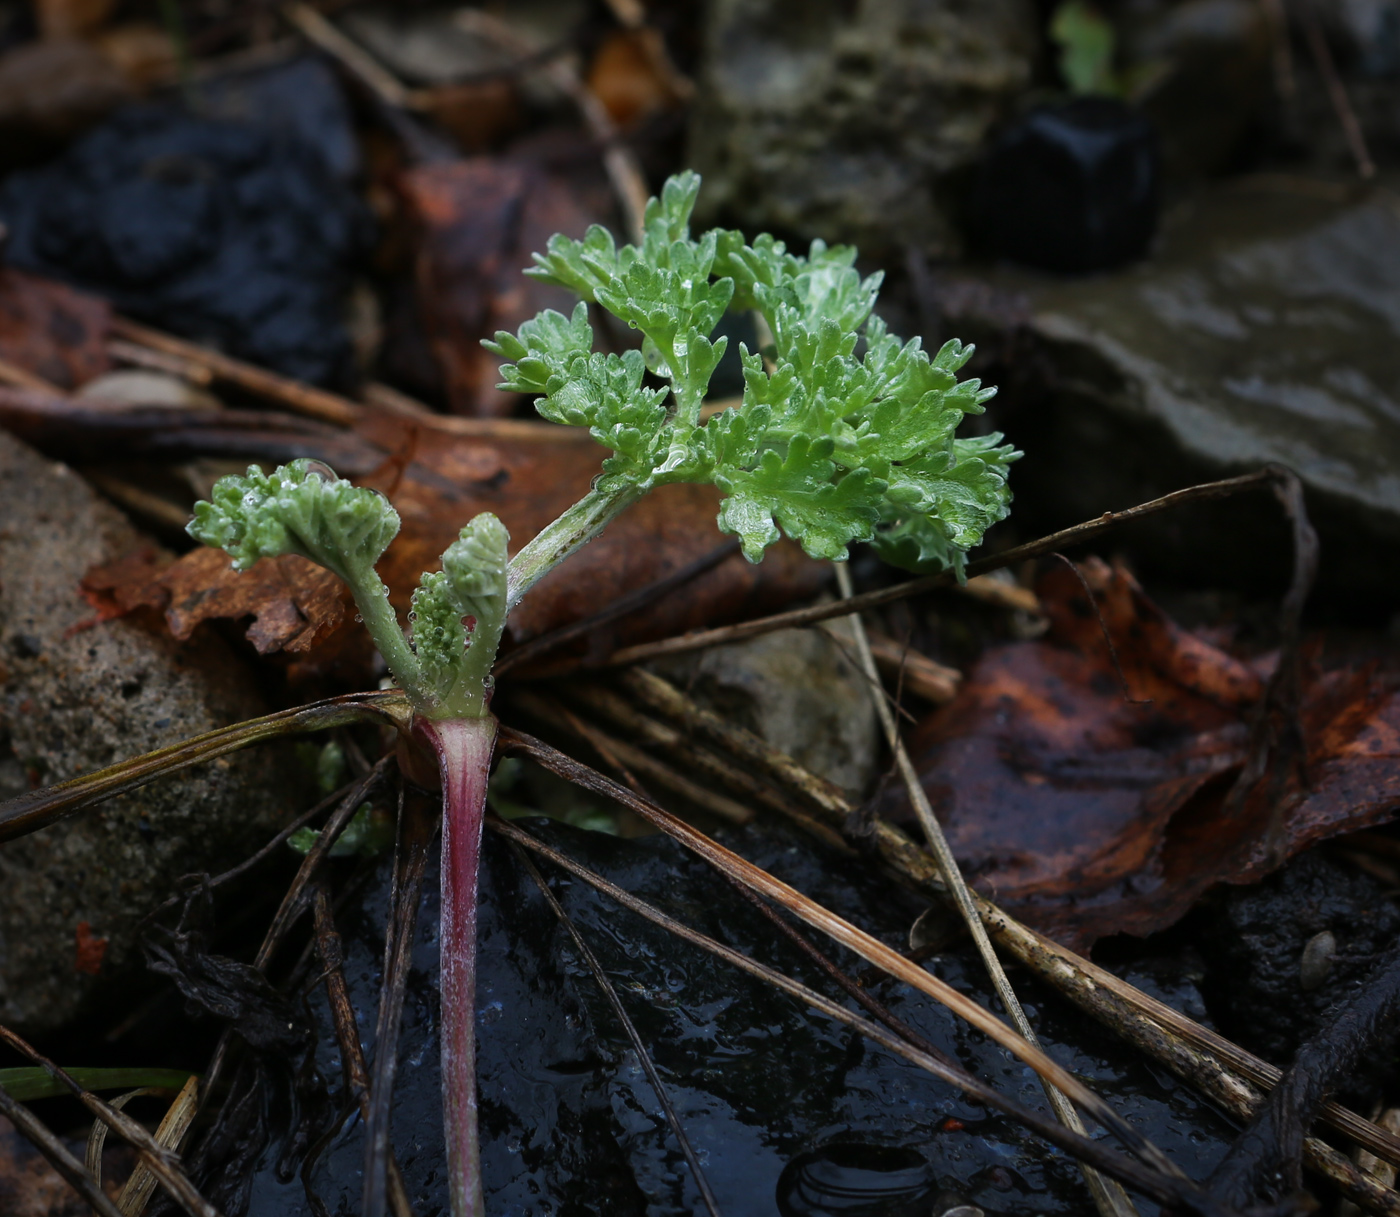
(1195, 1066)
(1077, 534)
(696, 759)
(299, 398)
(1109, 1197)
(620, 754)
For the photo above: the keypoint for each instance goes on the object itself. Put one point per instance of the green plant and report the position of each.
(844, 434)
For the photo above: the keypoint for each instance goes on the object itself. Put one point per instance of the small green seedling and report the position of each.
(844, 434)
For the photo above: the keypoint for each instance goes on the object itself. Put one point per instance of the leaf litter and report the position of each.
(1091, 803)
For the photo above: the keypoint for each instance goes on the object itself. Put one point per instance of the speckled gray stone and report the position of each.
(74, 698)
(797, 690)
(822, 118)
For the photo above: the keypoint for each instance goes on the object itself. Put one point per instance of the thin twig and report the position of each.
(294, 899)
(621, 607)
(297, 397)
(1168, 1188)
(1109, 1197)
(252, 860)
(1337, 92)
(591, 962)
(1077, 534)
(23, 378)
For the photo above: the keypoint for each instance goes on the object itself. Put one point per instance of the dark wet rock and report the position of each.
(1071, 187)
(780, 1105)
(1265, 983)
(300, 96)
(1265, 329)
(76, 695)
(846, 122)
(797, 690)
(230, 233)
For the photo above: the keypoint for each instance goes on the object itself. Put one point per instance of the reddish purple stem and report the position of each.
(463, 747)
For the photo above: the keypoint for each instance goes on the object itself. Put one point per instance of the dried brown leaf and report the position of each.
(52, 330)
(1092, 809)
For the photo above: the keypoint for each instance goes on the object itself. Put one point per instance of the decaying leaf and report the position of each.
(294, 603)
(1090, 808)
(52, 330)
(438, 478)
(477, 222)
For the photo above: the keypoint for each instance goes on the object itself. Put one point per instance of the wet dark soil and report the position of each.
(788, 1113)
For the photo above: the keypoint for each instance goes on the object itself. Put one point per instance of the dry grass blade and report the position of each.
(1109, 1197)
(169, 1133)
(634, 1038)
(38, 809)
(38, 1134)
(700, 760)
(163, 1163)
(849, 936)
(1074, 535)
(619, 754)
(1167, 1188)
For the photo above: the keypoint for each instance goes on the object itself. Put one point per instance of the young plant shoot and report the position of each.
(844, 434)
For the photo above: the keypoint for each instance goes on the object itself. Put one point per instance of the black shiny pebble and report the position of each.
(1070, 188)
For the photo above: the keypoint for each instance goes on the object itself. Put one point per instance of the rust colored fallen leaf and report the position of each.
(1090, 809)
(477, 222)
(51, 330)
(438, 478)
(294, 603)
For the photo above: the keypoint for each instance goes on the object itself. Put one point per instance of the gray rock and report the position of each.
(1266, 328)
(844, 121)
(75, 697)
(796, 690)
